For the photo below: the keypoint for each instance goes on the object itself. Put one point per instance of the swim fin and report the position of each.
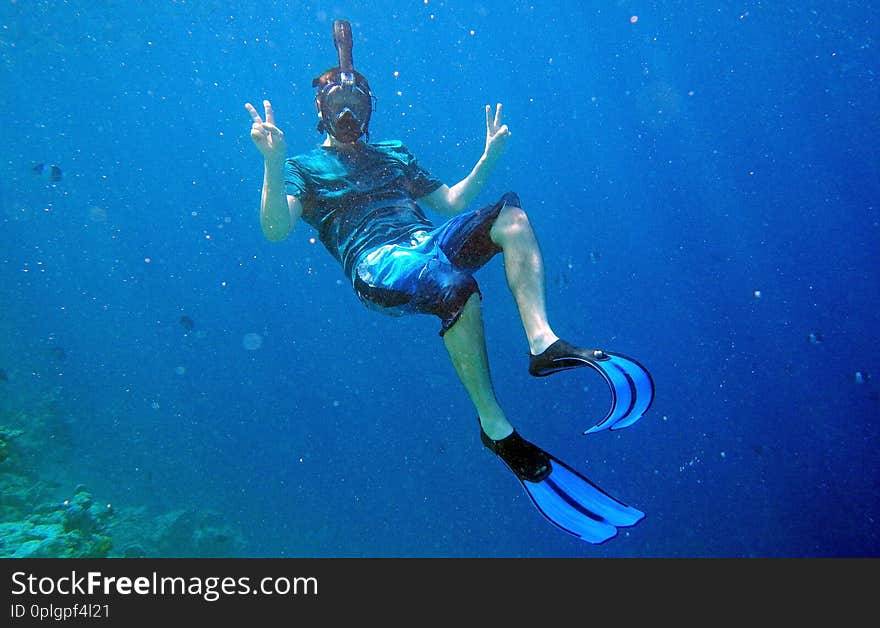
(632, 388)
(567, 499)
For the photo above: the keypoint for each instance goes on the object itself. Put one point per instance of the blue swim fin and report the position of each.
(632, 388)
(567, 499)
(576, 505)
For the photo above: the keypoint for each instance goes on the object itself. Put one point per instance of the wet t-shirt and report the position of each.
(360, 200)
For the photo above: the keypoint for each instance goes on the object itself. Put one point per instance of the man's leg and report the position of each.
(466, 345)
(467, 348)
(524, 268)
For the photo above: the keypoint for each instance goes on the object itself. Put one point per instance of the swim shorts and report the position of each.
(431, 271)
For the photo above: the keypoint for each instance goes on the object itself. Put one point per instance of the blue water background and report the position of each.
(704, 183)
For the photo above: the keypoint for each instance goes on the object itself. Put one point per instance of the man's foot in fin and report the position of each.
(632, 388)
(561, 356)
(567, 499)
(529, 462)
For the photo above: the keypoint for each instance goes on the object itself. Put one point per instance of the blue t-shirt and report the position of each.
(360, 200)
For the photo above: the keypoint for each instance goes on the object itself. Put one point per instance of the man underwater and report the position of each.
(365, 201)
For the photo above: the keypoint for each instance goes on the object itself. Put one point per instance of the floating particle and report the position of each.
(859, 377)
(634, 19)
(252, 341)
(180, 370)
(815, 338)
(757, 294)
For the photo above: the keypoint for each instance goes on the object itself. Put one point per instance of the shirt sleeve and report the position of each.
(294, 179)
(420, 181)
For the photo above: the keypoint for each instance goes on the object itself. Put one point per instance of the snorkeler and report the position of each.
(365, 201)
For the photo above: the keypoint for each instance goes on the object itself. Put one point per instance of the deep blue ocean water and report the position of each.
(704, 183)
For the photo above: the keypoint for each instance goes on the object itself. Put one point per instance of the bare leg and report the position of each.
(466, 345)
(524, 268)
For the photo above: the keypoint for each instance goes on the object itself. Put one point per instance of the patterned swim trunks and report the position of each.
(432, 271)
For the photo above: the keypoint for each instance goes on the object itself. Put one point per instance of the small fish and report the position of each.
(559, 280)
(815, 338)
(4, 377)
(595, 256)
(51, 172)
(58, 352)
(187, 323)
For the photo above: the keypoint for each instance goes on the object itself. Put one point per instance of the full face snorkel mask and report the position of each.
(344, 101)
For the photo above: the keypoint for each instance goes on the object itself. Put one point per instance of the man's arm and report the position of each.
(278, 211)
(451, 200)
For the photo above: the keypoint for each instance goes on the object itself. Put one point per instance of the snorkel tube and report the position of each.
(344, 101)
(342, 40)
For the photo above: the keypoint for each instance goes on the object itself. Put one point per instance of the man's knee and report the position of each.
(511, 221)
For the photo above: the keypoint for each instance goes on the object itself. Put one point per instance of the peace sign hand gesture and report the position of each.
(496, 133)
(267, 137)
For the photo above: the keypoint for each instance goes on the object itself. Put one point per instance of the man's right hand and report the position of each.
(267, 137)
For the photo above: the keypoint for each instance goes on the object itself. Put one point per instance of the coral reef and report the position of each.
(31, 527)
(36, 523)
(185, 532)
(76, 528)
(6, 435)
